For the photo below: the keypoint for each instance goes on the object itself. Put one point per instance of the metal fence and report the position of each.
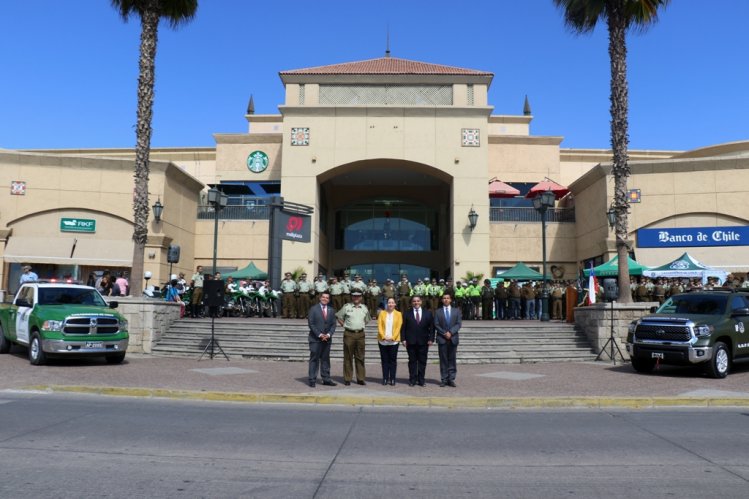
(529, 215)
(241, 212)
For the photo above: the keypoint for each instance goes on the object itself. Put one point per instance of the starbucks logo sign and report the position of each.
(257, 161)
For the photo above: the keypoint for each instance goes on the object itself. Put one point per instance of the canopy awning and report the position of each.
(69, 251)
(249, 272)
(611, 268)
(521, 272)
(686, 266)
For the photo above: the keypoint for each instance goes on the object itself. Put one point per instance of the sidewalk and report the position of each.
(588, 384)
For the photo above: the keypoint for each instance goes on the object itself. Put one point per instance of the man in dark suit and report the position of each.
(447, 322)
(322, 322)
(418, 336)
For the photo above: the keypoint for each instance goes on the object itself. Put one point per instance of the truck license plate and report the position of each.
(94, 344)
(657, 355)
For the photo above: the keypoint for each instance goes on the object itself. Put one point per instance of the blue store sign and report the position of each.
(693, 236)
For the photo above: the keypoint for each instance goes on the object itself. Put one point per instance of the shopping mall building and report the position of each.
(391, 155)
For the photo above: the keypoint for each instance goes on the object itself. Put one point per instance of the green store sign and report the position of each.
(257, 161)
(77, 225)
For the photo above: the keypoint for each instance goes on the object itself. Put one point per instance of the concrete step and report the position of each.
(481, 341)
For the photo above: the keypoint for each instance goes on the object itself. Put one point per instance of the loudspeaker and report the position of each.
(213, 293)
(610, 289)
(172, 254)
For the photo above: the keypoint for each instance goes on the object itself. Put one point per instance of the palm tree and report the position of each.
(620, 15)
(150, 12)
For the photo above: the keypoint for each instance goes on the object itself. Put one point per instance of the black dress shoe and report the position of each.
(451, 383)
(347, 383)
(311, 384)
(392, 382)
(422, 384)
(361, 382)
(329, 383)
(411, 383)
(442, 384)
(384, 382)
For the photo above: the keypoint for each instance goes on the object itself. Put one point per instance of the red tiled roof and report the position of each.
(386, 66)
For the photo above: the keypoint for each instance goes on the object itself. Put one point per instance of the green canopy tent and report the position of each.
(521, 272)
(686, 266)
(249, 272)
(611, 268)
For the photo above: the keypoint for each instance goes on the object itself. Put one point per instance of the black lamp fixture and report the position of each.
(611, 215)
(472, 218)
(542, 203)
(158, 209)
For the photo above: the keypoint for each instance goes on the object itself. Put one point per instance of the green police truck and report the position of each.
(709, 328)
(58, 319)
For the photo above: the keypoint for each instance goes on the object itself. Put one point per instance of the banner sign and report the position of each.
(77, 225)
(293, 227)
(693, 236)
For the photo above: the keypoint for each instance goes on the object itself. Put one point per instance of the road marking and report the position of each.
(511, 376)
(224, 371)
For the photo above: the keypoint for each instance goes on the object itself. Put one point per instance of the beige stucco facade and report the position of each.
(431, 139)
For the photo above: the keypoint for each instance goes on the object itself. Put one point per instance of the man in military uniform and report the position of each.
(320, 285)
(289, 289)
(474, 291)
(528, 301)
(358, 284)
(487, 300)
(435, 292)
(404, 293)
(353, 317)
(389, 291)
(500, 301)
(373, 296)
(460, 298)
(641, 292)
(419, 290)
(306, 293)
(556, 301)
(346, 282)
(675, 288)
(659, 292)
(514, 293)
(336, 292)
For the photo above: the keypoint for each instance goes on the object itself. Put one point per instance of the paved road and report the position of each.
(84, 446)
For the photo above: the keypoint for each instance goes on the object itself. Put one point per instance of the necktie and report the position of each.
(447, 314)
(418, 317)
(325, 313)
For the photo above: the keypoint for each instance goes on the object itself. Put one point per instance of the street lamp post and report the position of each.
(219, 200)
(542, 203)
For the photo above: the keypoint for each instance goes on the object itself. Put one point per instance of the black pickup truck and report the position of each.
(703, 327)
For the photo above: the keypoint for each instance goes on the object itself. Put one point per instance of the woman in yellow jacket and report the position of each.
(389, 324)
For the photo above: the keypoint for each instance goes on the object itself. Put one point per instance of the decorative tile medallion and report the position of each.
(471, 137)
(18, 188)
(300, 136)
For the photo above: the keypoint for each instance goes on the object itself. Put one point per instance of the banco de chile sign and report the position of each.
(693, 236)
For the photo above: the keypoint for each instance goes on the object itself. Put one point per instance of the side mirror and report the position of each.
(21, 302)
(653, 309)
(114, 304)
(740, 312)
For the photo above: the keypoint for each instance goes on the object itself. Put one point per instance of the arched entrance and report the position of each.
(384, 218)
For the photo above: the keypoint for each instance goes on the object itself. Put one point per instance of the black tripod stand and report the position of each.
(213, 343)
(611, 342)
(213, 297)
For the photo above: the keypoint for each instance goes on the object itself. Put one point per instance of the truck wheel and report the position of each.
(720, 363)
(4, 342)
(643, 365)
(36, 354)
(116, 358)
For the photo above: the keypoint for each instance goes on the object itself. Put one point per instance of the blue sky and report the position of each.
(69, 69)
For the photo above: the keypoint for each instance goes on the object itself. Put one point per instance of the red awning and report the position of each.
(547, 185)
(498, 189)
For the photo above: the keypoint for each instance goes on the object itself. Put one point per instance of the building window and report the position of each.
(469, 98)
(301, 94)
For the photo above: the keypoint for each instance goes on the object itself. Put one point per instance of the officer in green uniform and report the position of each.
(419, 290)
(404, 294)
(353, 317)
(500, 301)
(320, 285)
(556, 301)
(358, 285)
(487, 300)
(336, 292)
(306, 293)
(388, 290)
(474, 291)
(373, 296)
(659, 292)
(460, 297)
(346, 282)
(289, 288)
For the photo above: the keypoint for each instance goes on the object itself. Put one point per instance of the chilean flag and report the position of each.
(592, 285)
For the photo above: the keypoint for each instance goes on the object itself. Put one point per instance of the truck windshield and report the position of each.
(70, 296)
(695, 304)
